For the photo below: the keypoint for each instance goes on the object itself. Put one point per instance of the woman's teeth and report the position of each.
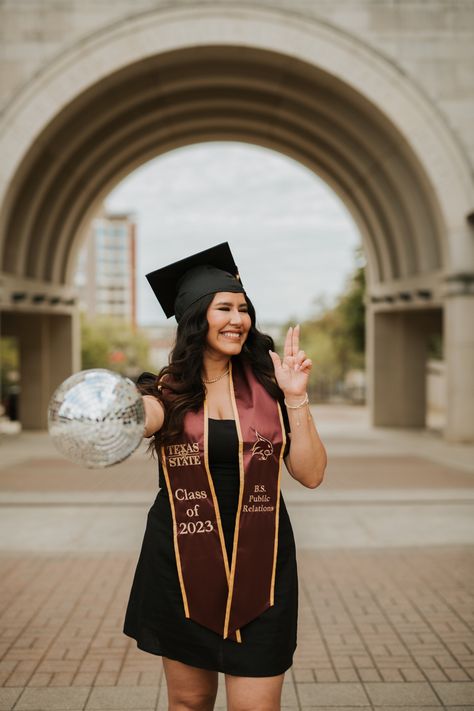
(231, 336)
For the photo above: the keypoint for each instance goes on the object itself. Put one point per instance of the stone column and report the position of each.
(396, 355)
(49, 352)
(459, 356)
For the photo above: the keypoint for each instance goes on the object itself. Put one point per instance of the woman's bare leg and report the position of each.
(189, 688)
(245, 693)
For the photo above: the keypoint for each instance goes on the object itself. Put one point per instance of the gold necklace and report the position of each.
(214, 380)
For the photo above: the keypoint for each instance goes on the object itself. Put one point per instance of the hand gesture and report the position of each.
(293, 373)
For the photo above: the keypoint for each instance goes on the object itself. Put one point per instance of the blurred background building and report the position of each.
(105, 274)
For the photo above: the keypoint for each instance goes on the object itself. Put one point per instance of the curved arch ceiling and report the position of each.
(220, 93)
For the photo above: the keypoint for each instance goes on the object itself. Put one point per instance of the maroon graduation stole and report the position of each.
(217, 595)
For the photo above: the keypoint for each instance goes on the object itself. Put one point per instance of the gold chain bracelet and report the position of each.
(295, 407)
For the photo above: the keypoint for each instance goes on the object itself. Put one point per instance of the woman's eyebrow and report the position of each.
(227, 303)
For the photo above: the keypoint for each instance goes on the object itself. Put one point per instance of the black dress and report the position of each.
(155, 615)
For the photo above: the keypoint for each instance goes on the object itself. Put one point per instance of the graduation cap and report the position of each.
(180, 284)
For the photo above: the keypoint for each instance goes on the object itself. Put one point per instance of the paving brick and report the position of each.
(401, 694)
(457, 675)
(26, 665)
(342, 662)
(19, 655)
(129, 678)
(89, 665)
(84, 679)
(425, 662)
(367, 675)
(303, 674)
(40, 679)
(435, 675)
(8, 698)
(390, 675)
(6, 670)
(288, 695)
(106, 679)
(18, 679)
(455, 692)
(148, 678)
(332, 694)
(325, 675)
(118, 698)
(412, 675)
(62, 679)
(409, 708)
(347, 675)
(53, 699)
(111, 665)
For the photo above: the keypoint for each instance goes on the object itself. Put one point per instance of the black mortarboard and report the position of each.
(180, 284)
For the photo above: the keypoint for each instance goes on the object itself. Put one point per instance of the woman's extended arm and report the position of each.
(154, 411)
(154, 415)
(307, 457)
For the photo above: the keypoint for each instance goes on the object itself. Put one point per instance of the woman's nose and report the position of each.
(236, 317)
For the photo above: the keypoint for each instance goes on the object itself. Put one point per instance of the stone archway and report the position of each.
(169, 78)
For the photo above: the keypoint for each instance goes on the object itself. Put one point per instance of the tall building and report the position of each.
(105, 272)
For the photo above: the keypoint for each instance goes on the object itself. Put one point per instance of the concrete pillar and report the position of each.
(397, 352)
(49, 352)
(459, 356)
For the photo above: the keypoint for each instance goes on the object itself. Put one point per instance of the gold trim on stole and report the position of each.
(239, 506)
(230, 574)
(213, 491)
(239, 509)
(214, 499)
(277, 512)
(175, 534)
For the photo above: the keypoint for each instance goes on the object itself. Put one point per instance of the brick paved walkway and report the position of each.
(377, 629)
(382, 626)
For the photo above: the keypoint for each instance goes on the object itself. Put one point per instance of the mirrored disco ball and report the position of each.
(96, 418)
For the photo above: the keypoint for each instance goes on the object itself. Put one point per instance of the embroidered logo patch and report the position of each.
(262, 447)
(183, 455)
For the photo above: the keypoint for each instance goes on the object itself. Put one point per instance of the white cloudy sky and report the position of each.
(291, 236)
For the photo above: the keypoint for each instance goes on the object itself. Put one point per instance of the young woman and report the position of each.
(215, 588)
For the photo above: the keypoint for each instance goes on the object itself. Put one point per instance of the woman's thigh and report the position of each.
(246, 693)
(189, 687)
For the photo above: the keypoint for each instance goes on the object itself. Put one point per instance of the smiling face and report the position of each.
(229, 323)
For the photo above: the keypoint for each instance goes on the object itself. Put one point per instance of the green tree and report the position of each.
(334, 338)
(351, 306)
(9, 366)
(111, 343)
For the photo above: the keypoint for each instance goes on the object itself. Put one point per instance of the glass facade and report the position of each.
(105, 271)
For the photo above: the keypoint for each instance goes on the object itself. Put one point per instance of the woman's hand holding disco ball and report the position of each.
(96, 418)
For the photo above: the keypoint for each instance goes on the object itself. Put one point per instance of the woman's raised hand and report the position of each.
(292, 373)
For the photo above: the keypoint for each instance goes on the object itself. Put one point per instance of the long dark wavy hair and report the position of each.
(178, 385)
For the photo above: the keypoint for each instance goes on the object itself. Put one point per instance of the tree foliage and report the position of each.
(334, 338)
(9, 365)
(110, 343)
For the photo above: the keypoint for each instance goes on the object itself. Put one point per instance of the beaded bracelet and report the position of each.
(295, 407)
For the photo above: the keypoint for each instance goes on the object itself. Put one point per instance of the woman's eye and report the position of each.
(225, 308)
